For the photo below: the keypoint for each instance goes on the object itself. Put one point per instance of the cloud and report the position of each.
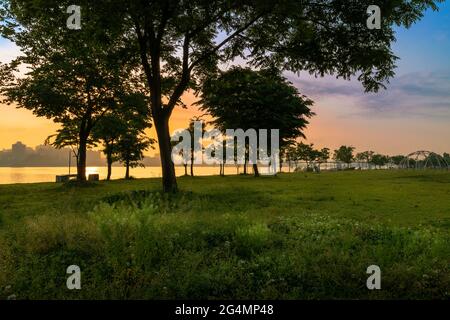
(418, 94)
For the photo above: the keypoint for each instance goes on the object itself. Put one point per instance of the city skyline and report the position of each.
(21, 155)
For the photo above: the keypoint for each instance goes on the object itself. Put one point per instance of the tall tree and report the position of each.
(241, 98)
(366, 157)
(446, 157)
(68, 136)
(397, 160)
(180, 42)
(131, 116)
(344, 154)
(74, 77)
(322, 156)
(108, 132)
(307, 153)
(379, 160)
(130, 149)
(191, 130)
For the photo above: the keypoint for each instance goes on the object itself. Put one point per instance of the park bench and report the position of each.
(67, 177)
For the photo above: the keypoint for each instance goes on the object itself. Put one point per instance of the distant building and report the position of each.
(44, 156)
(18, 148)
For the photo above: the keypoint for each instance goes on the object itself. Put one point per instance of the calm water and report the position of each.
(11, 175)
(47, 174)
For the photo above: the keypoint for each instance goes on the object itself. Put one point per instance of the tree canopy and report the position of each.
(344, 154)
(241, 98)
(180, 43)
(73, 78)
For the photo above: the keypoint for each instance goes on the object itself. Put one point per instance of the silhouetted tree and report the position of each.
(130, 149)
(344, 154)
(244, 99)
(132, 115)
(178, 45)
(194, 141)
(322, 156)
(72, 77)
(446, 157)
(365, 157)
(379, 160)
(307, 153)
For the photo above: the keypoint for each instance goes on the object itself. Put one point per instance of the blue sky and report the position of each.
(426, 45)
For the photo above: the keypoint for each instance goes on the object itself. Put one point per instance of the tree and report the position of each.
(130, 149)
(74, 78)
(133, 141)
(397, 160)
(360, 157)
(291, 155)
(446, 157)
(365, 156)
(191, 130)
(344, 154)
(241, 98)
(307, 153)
(379, 160)
(185, 156)
(108, 131)
(113, 126)
(178, 43)
(68, 136)
(322, 156)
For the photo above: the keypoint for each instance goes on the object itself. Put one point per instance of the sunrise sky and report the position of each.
(412, 114)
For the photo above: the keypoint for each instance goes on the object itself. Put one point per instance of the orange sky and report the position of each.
(335, 124)
(22, 125)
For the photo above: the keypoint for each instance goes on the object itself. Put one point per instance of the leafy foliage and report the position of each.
(344, 154)
(244, 99)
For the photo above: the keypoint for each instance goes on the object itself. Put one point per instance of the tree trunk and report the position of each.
(185, 169)
(192, 162)
(109, 161)
(81, 161)
(255, 170)
(245, 166)
(127, 172)
(169, 179)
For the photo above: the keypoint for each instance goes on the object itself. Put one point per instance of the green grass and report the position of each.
(295, 236)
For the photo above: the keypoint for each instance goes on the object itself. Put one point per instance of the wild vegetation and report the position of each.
(306, 236)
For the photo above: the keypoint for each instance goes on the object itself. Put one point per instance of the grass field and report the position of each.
(294, 236)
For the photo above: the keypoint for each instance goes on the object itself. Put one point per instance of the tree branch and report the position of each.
(185, 77)
(226, 40)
